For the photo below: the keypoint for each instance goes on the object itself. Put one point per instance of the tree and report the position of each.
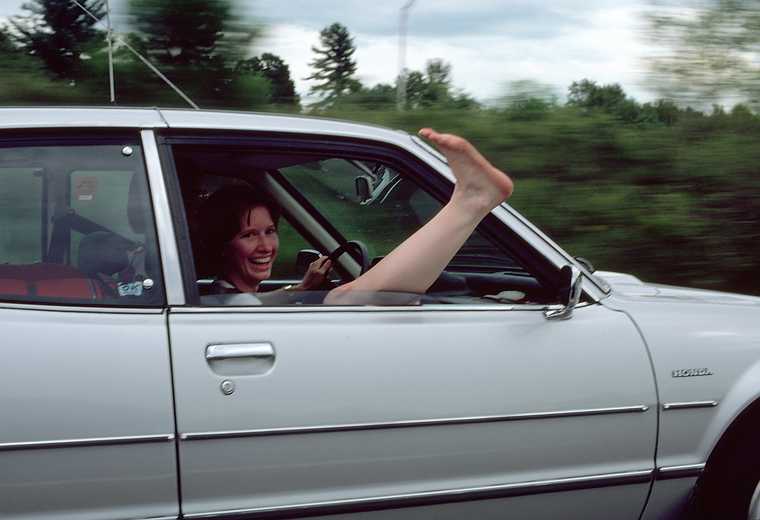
(712, 52)
(25, 79)
(196, 33)
(437, 82)
(6, 45)
(197, 44)
(432, 88)
(333, 66)
(58, 32)
(587, 94)
(415, 89)
(529, 100)
(611, 99)
(273, 68)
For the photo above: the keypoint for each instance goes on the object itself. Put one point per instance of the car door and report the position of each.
(463, 404)
(87, 428)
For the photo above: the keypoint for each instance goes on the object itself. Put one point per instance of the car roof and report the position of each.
(146, 118)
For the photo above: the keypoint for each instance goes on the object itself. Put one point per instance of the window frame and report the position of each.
(92, 137)
(402, 160)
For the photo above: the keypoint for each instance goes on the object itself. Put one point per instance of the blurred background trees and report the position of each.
(59, 33)
(668, 190)
(276, 71)
(712, 52)
(198, 45)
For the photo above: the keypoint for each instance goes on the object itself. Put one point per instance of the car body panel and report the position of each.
(87, 415)
(700, 332)
(669, 499)
(710, 325)
(378, 368)
(62, 118)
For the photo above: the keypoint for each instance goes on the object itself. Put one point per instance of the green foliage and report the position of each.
(527, 100)
(713, 51)
(432, 89)
(274, 69)
(191, 33)
(197, 44)
(58, 32)
(333, 65)
(378, 97)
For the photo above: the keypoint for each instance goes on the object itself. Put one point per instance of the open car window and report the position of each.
(380, 207)
(328, 200)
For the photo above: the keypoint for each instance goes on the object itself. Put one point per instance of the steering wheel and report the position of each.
(356, 247)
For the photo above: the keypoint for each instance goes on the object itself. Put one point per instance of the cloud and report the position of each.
(444, 18)
(605, 47)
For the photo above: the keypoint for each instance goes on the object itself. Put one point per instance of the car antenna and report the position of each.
(120, 40)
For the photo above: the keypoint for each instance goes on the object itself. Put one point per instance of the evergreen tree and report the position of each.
(273, 68)
(333, 66)
(58, 32)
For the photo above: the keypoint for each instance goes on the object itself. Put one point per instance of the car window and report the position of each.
(327, 199)
(393, 208)
(22, 226)
(76, 226)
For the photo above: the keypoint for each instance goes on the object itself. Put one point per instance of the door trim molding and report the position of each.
(689, 404)
(683, 471)
(77, 443)
(194, 436)
(426, 498)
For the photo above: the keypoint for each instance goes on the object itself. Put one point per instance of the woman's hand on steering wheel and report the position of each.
(316, 274)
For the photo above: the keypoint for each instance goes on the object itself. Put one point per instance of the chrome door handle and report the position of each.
(239, 350)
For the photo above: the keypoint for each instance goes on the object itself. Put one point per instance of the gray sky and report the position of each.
(489, 43)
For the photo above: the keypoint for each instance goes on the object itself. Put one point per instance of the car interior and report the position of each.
(352, 209)
(76, 235)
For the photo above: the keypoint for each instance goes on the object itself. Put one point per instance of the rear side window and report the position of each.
(76, 226)
(20, 235)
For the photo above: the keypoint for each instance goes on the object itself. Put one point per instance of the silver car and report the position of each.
(522, 385)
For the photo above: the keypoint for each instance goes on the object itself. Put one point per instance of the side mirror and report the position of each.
(304, 258)
(569, 293)
(585, 262)
(363, 189)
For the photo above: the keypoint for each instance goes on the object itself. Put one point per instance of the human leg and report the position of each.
(417, 262)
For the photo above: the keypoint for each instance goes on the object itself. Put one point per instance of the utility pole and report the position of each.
(401, 81)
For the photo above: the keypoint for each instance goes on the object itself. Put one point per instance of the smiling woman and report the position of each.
(241, 241)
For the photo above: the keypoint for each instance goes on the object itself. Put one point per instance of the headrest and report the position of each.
(103, 252)
(138, 203)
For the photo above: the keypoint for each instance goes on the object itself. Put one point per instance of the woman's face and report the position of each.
(251, 252)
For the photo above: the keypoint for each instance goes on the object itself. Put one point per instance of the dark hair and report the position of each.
(221, 216)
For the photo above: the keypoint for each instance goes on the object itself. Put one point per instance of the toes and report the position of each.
(427, 133)
(454, 142)
(447, 141)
